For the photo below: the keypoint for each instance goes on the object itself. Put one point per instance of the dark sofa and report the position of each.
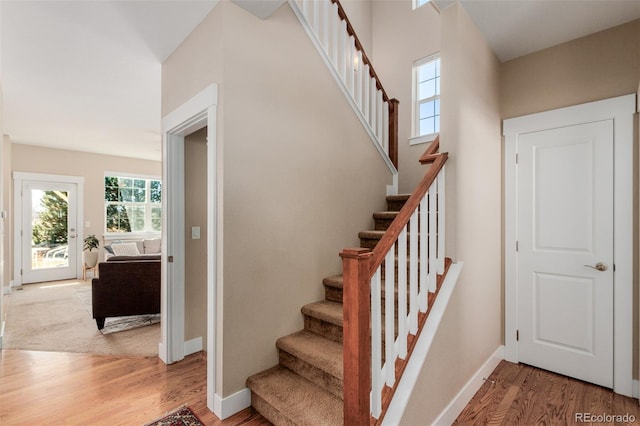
(126, 285)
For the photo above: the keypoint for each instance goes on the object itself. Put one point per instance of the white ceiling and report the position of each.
(85, 75)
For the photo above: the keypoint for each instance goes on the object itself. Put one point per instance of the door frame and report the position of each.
(18, 180)
(621, 110)
(193, 115)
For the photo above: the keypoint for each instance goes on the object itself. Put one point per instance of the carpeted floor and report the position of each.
(56, 316)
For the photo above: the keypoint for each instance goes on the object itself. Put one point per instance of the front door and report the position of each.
(565, 244)
(49, 231)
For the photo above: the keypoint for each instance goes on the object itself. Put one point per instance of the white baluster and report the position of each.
(305, 9)
(379, 104)
(402, 293)
(357, 93)
(385, 127)
(349, 72)
(376, 346)
(315, 18)
(389, 317)
(413, 273)
(441, 221)
(335, 20)
(422, 294)
(433, 240)
(325, 24)
(342, 45)
(366, 102)
(373, 90)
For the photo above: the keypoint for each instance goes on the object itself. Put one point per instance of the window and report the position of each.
(418, 3)
(426, 77)
(132, 204)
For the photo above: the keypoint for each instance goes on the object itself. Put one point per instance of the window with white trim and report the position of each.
(426, 79)
(132, 204)
(418, 3)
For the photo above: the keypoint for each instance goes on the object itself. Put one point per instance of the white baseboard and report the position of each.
(636, 389)
(162, 352)
(227, 407)
(192, 346)
(455, 407)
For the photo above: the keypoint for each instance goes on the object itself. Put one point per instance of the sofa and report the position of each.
(144, 247)
(126, 285)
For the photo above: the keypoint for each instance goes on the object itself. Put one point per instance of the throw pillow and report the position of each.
(152, 246)
(125, 249)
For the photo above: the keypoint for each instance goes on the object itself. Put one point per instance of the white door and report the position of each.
(49, 231)
(565, 234)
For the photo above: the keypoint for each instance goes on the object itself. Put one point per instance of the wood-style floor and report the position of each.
(524, 395)
(53, 388)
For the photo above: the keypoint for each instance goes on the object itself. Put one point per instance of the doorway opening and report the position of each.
(195, 115)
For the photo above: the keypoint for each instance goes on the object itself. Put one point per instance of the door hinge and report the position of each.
(170, 259)
(517, 335)
(516, 158)
(20, 271)
(517, 246)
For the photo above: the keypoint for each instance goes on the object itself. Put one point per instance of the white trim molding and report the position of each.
(460, 401)
(232, 404)
(192, 346)
(193, 115)
(620, 110)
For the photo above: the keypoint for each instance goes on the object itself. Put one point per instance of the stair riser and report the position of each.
(269, 412)
(333, 294)
(313, 374)
(323, 328)
(395, 205)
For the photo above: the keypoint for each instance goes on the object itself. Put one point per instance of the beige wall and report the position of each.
(599, 66)
(298, 176)
(195, 159)
(360, 16)
(394, 53)
(470, 330)
(591, 68)
(34, 159)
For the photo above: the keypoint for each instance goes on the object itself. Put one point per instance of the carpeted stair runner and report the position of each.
(305, 388)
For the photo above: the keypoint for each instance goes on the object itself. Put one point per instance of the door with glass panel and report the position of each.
(49, 231)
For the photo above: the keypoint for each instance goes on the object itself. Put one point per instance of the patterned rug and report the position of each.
(182, 416)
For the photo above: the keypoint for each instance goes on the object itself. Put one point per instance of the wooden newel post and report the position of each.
(393, 131)
(356, 295)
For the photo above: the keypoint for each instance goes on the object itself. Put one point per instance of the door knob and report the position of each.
(600, 266)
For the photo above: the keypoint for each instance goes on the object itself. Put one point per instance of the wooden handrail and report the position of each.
(391, 235)
(431, 154)
(365, 58)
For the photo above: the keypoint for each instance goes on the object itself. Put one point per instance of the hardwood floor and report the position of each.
(55, 388)
(523, 395)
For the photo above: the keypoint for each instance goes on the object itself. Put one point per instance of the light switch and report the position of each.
(195, 232)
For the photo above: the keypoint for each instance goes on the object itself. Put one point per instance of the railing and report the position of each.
(387, 294)
(333, 35)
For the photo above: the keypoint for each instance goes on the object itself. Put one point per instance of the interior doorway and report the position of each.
(47, 236)
(197, 113)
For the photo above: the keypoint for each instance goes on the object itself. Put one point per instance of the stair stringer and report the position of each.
(416, 363)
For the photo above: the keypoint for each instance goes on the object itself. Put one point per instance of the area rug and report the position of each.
(182, 416)
(51, 317)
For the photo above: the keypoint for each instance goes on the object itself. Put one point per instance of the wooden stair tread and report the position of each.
(295, 398)
(325, 310)
(315, 350)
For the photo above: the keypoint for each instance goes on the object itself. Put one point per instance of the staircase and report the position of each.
(305, 388)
